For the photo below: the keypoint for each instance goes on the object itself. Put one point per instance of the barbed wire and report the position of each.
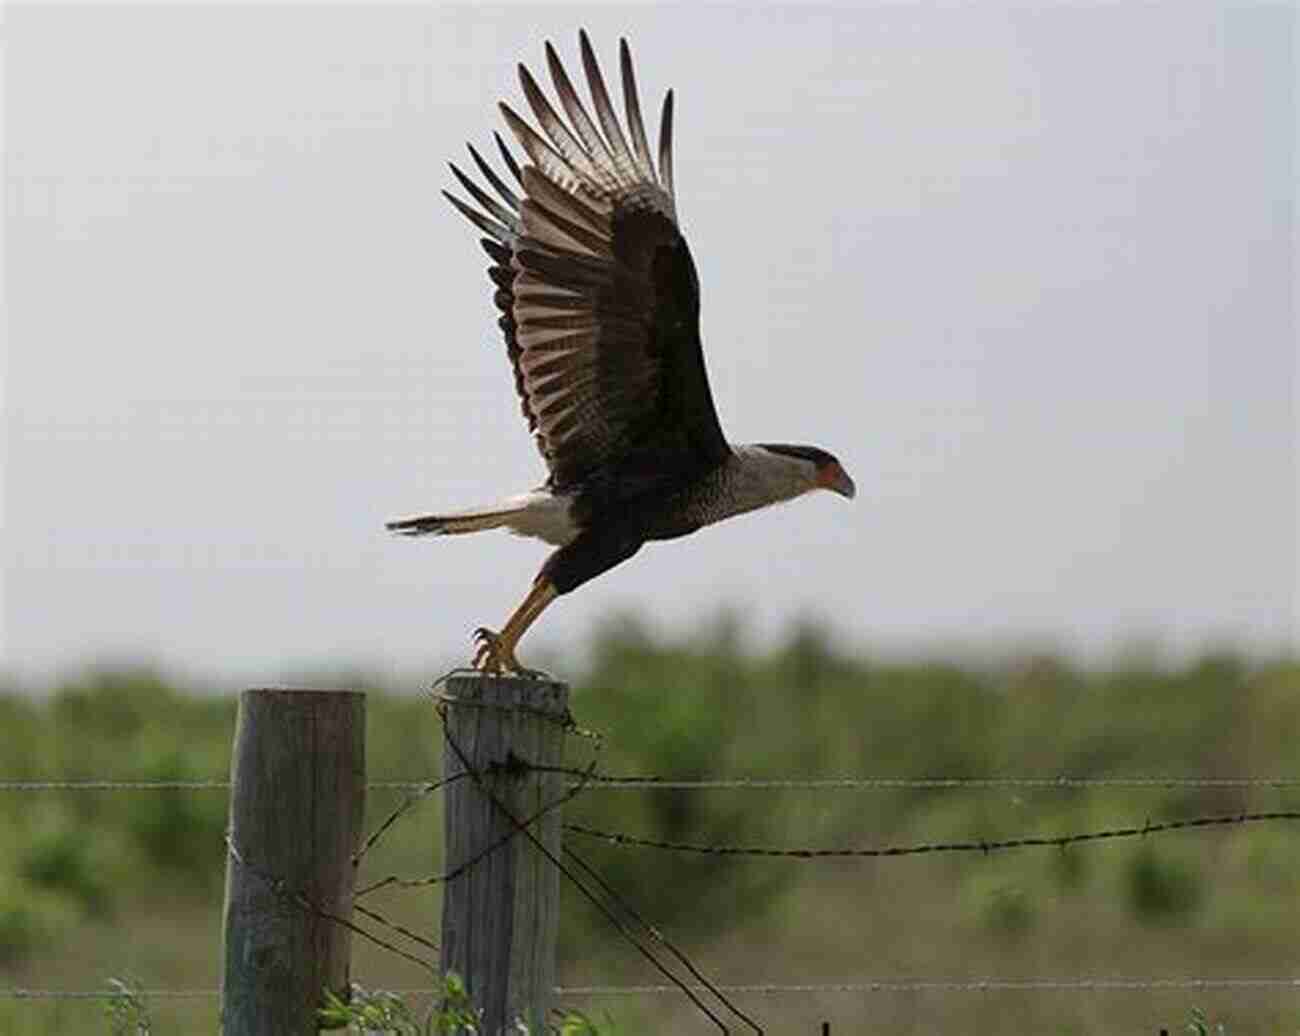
(613, 782)
(606, 782)
(104, 784)
(213, 784)
(658, 936)
(982, 846)
(1118, 983)
(400, 929)
(413, 798)
(482, 854)
(522, 828)
(103, 994)
(945, 985)
(643, 935)
(417, 791)
(300, 899)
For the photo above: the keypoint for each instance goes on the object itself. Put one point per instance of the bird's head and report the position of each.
(820, 468)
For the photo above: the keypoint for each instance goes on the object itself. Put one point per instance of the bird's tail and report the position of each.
(453, 524)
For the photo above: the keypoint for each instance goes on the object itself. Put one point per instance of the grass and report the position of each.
(95, 885)
(452, 1014)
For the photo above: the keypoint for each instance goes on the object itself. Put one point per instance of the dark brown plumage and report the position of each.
(600, 306)
(598, 293)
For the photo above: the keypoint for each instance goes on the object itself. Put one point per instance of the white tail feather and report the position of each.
(537, 514)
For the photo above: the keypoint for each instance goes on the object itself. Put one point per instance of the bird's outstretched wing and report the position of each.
(598, 293)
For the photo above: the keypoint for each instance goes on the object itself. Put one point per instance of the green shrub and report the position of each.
(1004, 908)
(177, 829)
(1162, 888)
(61, 856)
(31, 919)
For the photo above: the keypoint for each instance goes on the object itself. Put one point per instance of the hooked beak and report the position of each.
(836, 479)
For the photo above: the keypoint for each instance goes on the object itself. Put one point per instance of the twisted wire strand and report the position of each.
(1118, 983)
(624, 840)
(214, 784)
(296, 896)
(617, 782)
(411, 799)
(473, 861)
(940, 985)
(609, 782)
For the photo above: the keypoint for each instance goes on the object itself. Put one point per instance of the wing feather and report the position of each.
(573, 107)
(489, 226)
(596, 287)
(593, 213)
(666, 145)
(558, 233)
(632, 108)
(502, 215)
(545, 157)
(498, 185)
(508, 158)
(544, 300)
(565, 142)
(628, 175)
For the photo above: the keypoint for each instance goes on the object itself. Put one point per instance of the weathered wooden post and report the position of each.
(298, 776)
(500, 913)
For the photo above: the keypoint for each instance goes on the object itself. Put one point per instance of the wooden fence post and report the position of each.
(298, 780)
(500, 915)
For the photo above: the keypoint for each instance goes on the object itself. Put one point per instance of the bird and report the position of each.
(600, 312)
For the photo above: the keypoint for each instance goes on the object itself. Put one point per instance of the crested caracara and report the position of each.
(600, 309)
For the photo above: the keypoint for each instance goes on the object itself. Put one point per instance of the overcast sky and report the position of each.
(1029, 272)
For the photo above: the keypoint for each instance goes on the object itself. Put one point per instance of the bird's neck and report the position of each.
(754, 477)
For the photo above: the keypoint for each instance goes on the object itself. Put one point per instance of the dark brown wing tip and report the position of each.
(588, 53)
(632, 110)
(666, 122)
(589, 63)
(528, 83)
(497, 183)
(508, 158)
(510, 116)
(666, 145)
(553, 61)
(485, 223)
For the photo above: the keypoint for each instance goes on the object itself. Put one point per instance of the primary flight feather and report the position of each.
(600, 312)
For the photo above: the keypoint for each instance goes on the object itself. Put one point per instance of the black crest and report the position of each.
(813, 453)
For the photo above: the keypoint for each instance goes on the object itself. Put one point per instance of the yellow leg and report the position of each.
(496, 651)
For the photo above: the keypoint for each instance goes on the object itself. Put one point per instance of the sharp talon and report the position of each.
(491, 655)
(496, 657)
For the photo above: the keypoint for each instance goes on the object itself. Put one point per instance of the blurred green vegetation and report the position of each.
(83, 872)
